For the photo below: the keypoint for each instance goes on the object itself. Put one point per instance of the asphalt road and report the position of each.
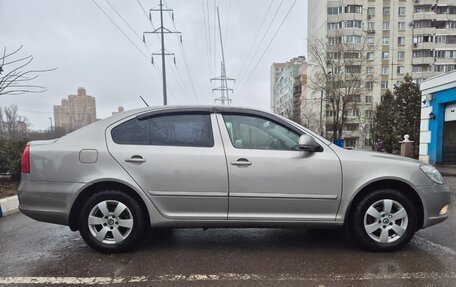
(34, 253)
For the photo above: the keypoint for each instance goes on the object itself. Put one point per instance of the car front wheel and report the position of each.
(112, 221)
(384, 220)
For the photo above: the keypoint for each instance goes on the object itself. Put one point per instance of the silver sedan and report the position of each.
(222, 167)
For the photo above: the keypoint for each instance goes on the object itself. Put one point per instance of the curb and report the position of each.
(9, 205)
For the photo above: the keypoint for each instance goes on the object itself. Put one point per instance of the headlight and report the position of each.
(432, 173)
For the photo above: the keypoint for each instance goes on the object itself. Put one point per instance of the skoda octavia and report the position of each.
(222, 167)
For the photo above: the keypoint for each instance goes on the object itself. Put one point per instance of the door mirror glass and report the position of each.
(308, 143)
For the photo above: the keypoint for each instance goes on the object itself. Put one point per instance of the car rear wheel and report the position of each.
(384, 220)
(112, 221)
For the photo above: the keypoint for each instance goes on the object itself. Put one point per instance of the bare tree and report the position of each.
(15, 79)
(12, 126)
(339, 72)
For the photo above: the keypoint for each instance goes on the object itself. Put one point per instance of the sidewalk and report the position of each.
(447, 170)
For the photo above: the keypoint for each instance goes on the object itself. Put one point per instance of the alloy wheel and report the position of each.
(385, 221)
(110, 222)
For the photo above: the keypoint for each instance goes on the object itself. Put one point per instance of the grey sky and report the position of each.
(89, 51)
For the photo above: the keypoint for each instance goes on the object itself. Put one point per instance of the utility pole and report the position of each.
(224, 89)
(162, 30)
(50, 119)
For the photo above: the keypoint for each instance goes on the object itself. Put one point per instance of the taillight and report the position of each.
(25, 162)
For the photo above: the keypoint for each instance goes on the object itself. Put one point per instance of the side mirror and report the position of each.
(308, 143)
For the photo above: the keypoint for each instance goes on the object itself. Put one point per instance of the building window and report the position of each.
(401, 41)
(401, 26)
(422, 24)
(385, 70)
(369, 86)
(386, 11)
(384, 84)
(333, 26)
(424, 38)
(422, 53)
(368, 113)
(370, 12)
(400, 55)
(400, 70)
(451, 25)
(370, 40)
(401, 11)
(358, 9)
(386, 25)
(385, 55)
(370, 70)
(368, 100)
(352, 24)
(352, 127)
(350, 142)
(352, 39)
(371, 26)
(370, 56)
(399, 83)
(334, 10)
(385, 40)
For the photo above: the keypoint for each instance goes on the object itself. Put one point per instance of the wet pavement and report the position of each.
(46, 254)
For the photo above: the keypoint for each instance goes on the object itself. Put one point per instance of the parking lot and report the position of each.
(44, 254)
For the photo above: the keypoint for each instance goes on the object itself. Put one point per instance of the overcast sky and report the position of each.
(89, 51)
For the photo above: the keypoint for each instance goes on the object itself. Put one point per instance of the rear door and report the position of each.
(178, 159)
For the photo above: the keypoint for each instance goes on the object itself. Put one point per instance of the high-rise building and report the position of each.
(287, 82)
(75, 112)
(404, 37)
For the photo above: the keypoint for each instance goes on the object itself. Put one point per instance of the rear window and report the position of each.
(168, 130)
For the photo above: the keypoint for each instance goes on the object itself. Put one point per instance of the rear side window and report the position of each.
(168, 130)
(132, 132)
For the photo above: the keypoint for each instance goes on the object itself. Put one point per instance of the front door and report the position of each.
(270, 178)
(178, 160)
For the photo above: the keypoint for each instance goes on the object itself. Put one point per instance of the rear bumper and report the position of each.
(47, 201)
(434, 198)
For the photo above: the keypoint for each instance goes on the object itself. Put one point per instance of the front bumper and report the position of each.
(47, 201)
(434, 198)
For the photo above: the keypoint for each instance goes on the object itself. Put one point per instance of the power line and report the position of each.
(269, 44)
(120, 30)
(187, 66)
(251, 59)
(123, 19)
(207, 42)
(256, 37)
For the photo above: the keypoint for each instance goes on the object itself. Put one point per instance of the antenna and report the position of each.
(144, 101)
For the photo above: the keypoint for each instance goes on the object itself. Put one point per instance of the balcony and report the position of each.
(445, 17)
(423, 61)
(422, 75)
(423, 16)
(424, 31)
(423, 45)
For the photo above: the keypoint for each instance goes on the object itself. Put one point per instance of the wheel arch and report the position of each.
(401, 186)
(97, 186)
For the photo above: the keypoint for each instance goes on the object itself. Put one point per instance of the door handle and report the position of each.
(135, 159)
(241, 162)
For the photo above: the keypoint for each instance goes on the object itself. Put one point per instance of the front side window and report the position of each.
(249, 132)
(192, 130)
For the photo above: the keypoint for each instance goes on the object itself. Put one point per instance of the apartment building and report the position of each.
(288, 87)
(416, 37)
(75, 112)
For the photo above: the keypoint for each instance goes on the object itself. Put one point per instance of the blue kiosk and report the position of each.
(438, 119)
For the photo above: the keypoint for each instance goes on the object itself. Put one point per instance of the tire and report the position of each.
(379, 227)
(117, 222)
